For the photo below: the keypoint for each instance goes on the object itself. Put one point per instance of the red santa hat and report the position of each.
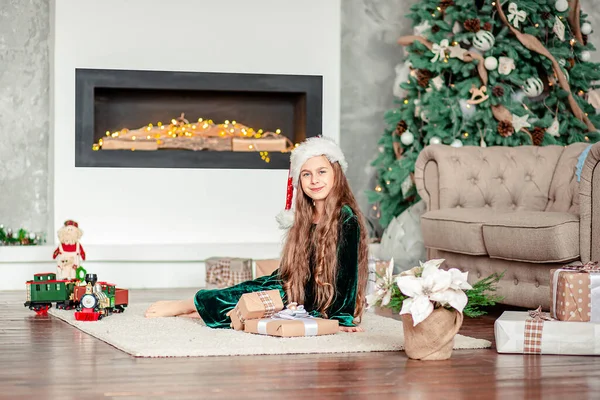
(72, 223)
(311, 147)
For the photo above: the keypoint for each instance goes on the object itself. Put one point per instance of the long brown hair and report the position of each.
(295, 264)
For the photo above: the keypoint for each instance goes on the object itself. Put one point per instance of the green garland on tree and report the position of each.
(518, 98)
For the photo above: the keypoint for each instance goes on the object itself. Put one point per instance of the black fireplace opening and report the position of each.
(109, 102)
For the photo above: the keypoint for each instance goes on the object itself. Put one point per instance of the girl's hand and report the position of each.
(351, 329)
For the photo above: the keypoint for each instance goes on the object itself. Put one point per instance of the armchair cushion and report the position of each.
(533, 236)
(458, 230)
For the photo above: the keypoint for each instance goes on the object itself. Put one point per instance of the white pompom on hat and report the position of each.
(311, 147)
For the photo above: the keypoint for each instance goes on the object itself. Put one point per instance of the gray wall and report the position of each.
(24, 114)
(369, 53)
(370, 29)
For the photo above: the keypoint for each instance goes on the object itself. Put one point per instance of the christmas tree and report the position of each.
(486, 73)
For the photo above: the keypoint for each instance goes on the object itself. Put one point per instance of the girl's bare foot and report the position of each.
(351, 329)
(170, 308)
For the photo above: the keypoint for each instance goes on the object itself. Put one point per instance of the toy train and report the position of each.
(45, 289)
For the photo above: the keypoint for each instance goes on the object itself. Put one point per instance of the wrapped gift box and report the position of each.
(227, 271)
(255, 305)
(575, 293)
(292, 327)
(518, 332)
(265, 267)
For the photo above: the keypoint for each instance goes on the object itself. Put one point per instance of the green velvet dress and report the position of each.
(214, 304)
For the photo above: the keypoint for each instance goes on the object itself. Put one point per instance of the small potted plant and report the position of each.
(431, 302)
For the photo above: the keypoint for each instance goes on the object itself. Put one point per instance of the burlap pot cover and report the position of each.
(433, 338)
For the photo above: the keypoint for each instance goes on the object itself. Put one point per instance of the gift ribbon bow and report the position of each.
(589, 267)
(538, 315)
(440, 50)
(515, 16)
(293, 311)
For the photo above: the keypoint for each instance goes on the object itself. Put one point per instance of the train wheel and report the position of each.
(41, 309)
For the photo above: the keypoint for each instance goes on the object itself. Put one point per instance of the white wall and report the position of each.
(162, 206)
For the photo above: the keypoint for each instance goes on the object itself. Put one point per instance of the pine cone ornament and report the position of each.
(445, 4)
(400, 128)
(498, 91)
(423, 77)
(487, 26)
(537, 134)
(505, 129)
(472, 25)
(435, 29)
(546, 15)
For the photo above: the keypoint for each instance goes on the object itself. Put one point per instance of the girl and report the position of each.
(324, 260)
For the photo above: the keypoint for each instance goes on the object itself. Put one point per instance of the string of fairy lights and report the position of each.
(153, 137)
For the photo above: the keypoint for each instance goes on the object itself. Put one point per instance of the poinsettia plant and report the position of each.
(421, 289)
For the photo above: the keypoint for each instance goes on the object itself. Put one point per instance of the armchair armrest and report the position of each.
(427, 179)
(589, 206)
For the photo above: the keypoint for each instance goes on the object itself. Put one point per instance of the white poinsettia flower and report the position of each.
(416, 271)
(459, 279)
(383, 285)
(434, 285)
(419, 308)
(456, 299)
(436, 262)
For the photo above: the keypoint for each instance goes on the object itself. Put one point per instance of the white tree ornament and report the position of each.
(468, 110)
(407, 138)
(559, 28)
(561, 5)
(585, 56)
(457, 52)
(554, 128)
(456, 143)
(457, 27)
(484, 40)
(519, 123)
(533, 87)
(420, 29)
(506, 65)
(440, 50)
(438, 82)
(515, 16)
(586, 28)
(490, 63)
(435, 140)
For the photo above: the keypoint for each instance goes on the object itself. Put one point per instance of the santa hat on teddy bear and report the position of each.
(311, 147)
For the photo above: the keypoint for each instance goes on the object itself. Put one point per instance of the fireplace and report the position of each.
(167, 119)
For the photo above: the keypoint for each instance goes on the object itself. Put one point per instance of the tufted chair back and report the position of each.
(564, 190)
(504, 178)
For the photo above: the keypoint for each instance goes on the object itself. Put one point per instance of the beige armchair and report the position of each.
(522, 210)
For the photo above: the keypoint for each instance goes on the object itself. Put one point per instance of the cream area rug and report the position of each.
(132, 333)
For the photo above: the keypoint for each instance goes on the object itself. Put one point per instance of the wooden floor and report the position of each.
(45, 358)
